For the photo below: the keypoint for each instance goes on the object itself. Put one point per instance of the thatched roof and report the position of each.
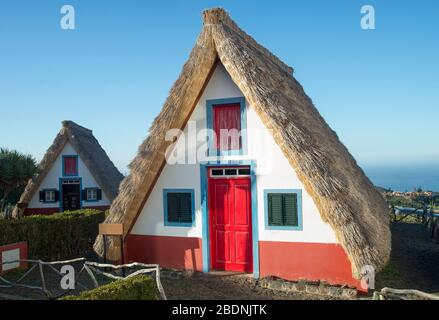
(345, 197)
(91, 153)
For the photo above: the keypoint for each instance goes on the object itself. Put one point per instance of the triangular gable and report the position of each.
(346, 199)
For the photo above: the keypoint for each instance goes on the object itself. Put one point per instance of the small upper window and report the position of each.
(244, 172)
(230, 172)
(227, 127)
(217, 172)
(226, 121)
(70, 166)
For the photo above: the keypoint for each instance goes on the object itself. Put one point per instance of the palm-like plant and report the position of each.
(15, 170)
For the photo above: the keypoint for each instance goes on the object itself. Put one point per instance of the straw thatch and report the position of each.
(345, 197)
(91, 153)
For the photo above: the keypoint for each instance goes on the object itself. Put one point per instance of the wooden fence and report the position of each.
(428, 217)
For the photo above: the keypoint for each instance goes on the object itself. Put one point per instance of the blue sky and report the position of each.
(377, 89)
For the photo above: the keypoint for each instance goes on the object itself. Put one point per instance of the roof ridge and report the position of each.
(73, 125)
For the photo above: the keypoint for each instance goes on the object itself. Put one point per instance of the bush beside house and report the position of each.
(140, 287)
(55, 237)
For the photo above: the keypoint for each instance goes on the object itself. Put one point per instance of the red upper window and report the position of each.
(227, 126)
(71, 166)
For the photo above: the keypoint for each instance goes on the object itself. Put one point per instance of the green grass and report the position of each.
(389, 277)
(140, 287)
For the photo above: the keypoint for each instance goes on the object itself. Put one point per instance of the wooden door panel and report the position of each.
(221, 204)
(243, 247)
(241, 205)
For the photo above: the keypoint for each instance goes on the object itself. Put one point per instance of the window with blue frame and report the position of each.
(283, 209)
(179, 207)
(70, 166)
(227, 125)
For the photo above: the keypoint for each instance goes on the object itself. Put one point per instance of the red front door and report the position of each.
(230, 224)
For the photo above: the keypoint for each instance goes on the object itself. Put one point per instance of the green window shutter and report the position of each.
(290, 215)
(99, 194)
(179, 207)
(275, 209)
(172, 207)
(42, 196)
(185, 210)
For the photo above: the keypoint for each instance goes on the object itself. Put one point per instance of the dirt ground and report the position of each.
(414, 264)
(414, 261)
(226, 287)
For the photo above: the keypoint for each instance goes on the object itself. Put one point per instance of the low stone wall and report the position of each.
(315, 288)
(308, 287)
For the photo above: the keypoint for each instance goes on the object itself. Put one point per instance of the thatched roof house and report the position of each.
(95, 171)
(346, 199)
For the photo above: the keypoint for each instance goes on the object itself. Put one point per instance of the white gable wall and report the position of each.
(51, 181)
(276, 173)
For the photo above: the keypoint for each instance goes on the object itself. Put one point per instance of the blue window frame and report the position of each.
(64, 173)
(179, 207)
(298, 196)
(210, 104)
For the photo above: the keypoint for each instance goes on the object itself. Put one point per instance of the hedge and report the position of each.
(139, 287)
(59, 236)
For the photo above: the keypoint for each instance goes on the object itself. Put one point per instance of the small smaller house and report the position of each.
(75, 173)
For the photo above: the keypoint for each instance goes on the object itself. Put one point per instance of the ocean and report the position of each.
(404, 177)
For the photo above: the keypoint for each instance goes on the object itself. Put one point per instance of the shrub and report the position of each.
(55, 237)
(139, 287)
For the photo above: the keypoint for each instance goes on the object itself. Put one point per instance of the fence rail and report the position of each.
(402, 294)
(429, 218)
(90, 268)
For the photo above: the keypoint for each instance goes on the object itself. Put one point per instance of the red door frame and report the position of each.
(234, 246)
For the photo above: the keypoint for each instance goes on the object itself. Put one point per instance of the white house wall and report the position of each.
(272, 173)
(51, 181)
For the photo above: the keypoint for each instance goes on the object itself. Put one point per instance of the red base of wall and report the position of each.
(40, 211)
(50, 211)
(310, 261)
(168, 252)
(287, 260)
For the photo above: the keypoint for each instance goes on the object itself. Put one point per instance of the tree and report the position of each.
(15, 171)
